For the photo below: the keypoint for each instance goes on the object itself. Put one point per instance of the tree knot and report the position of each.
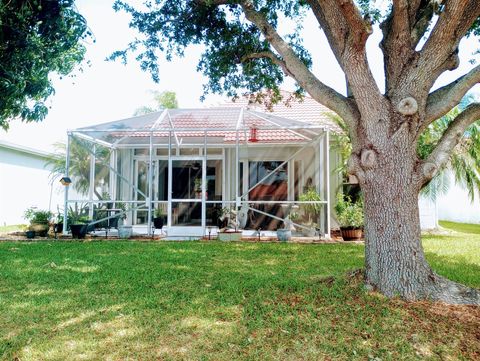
(407, 106)
(368, 159)
(429, 170)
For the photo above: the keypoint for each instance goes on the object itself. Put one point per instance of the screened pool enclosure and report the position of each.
(193, 165)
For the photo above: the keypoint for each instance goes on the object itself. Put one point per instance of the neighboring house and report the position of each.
(428, 213)
(456, 205)
(25, 182)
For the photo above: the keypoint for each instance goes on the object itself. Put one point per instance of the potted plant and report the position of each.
(124, 230)
(78, 220)
(311, 210)
(285, 234)
(160, 218)
(231, 232)
(39, 220)
(349, 216)
(58, 224)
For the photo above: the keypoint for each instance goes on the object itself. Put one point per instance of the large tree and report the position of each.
(245, 47)
(37, 37)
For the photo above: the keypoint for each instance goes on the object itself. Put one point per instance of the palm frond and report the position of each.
(80, 164)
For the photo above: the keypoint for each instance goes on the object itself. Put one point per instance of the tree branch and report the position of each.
(360, 30)
(442, 100)
(452, 136)
(344, 107)
(396, 44)
(342, 23)
(440, 51)
(347, 33)
(421, 14)
(400, 19)
(269, 55)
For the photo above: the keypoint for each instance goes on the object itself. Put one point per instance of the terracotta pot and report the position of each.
(40, 229)
(352, 233)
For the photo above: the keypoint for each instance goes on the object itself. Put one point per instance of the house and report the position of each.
(456, 204)
(193, 163)
(231, 156)
(25, 182)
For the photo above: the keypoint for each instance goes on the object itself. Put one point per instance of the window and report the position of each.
(274, 187)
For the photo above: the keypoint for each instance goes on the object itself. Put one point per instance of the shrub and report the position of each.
(349, 214)
(37, 216)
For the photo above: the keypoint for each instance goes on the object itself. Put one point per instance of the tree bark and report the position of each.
(395, 260)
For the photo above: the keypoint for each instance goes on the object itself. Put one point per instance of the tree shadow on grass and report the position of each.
(456, 268)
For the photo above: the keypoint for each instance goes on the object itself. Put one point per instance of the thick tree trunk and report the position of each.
(395, 261)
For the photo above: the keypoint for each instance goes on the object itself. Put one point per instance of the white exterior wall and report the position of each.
(25, 182)
(428, 214)
(456, 206)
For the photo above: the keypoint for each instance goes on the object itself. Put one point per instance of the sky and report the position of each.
(107, 91)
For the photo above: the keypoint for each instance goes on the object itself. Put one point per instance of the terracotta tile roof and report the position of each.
(221, 122)
(305, 110)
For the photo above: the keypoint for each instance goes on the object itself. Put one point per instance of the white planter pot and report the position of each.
(124, 231)
(284, 235)
(308, 232)
(230, 236)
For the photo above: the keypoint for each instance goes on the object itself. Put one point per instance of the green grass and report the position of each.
(11, 228)
(221, 301)
(461, 227)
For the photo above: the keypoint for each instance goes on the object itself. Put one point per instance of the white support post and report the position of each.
(91, 185)
(65, 203)
(204, 183)
(112, 175)
(169, 196)
(150, 185)
(224, 191)
(327, 175)
(321, 186)
(239, 124)
(291, 180)
(237, 171)
(245, 179)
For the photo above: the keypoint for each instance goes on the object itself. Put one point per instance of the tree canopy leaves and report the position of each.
(231, 60)
(237, 55)
(36, 38)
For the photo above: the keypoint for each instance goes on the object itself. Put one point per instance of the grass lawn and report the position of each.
(12, 228)
(223, 301)
(461, 227)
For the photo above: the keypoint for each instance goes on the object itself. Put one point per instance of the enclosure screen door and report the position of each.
(141, 182)
(187, 193)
